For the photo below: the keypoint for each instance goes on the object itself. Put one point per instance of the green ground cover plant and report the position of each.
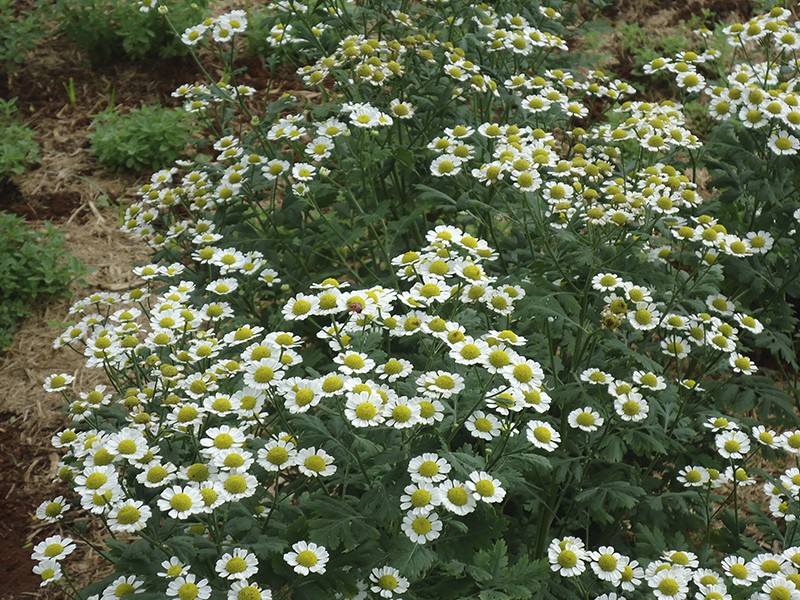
(21, 30)
(19, 150)
(33, 268)
(145, 138)
(468, 325)
(110, 30)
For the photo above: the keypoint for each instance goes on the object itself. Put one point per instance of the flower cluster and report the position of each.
(677, 573)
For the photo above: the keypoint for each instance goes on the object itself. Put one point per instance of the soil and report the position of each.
(85, 201)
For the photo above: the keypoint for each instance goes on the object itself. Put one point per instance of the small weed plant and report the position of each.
(21, 31)
(146, 138)
(108, 30)
(18, 147)
(33, 267)
(469, 324)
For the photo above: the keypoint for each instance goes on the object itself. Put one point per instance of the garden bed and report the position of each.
(59, 94)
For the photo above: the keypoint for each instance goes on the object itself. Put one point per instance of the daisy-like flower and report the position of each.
(606, 564)
(790, 441)
(420, 528)
(741, 364)
(644, 317)
(779, 588)
(606, 282)
(238, 484)
(732, 444)
(262, 374)
(420, 498)
(782, 142)
(682, 558)
(738, 570)
(431, 410)
(483, 425)
(307, 557)
(764, 436)
(693, 476)
(596, 377)
(522, 373)
(364, 409)
(192, 35)
(649, 380)
(567, 556)
(670, 584)
(631, 574)
(387, 582)
(440, 384)
(485, 488)
(49, 570)
(542, 435)
(123, 587)
(54, 547)
(760, 242)
(586, 419)
(428, 468)
(394, 369)
(300, 307)
(57, 382)
(244, 590)
(675, 346)
(239, 564)
(130, 516)
(706, 577)
(97, 479)
(469, 351)
(222, 438)
(456, 497)
(312, 462)
(402, 412)
(300, 395)
(188, 586)
(631, 407)
(354, 362)
(52, 511)
(768, 565)
(717, 424)
(128, 443)
(401, 109)
(181, 502)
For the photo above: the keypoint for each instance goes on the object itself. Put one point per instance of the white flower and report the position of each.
(631, 407)
(421, 529)
(456, 497)
(240, 564)
(567, 557)
(315, 463)
(130, 516)
(483, 425)
(542, 435)
(364, 409)
(586, 419)
(732, 444)
(277, 455)
(428, 467)
(188, 586)
(181, 502)
(54, 547)
(307, 557)
(606, 564)
(420, 498)
(387, 582)
(485, 488)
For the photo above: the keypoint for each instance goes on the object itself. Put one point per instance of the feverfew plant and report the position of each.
(445, 333)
